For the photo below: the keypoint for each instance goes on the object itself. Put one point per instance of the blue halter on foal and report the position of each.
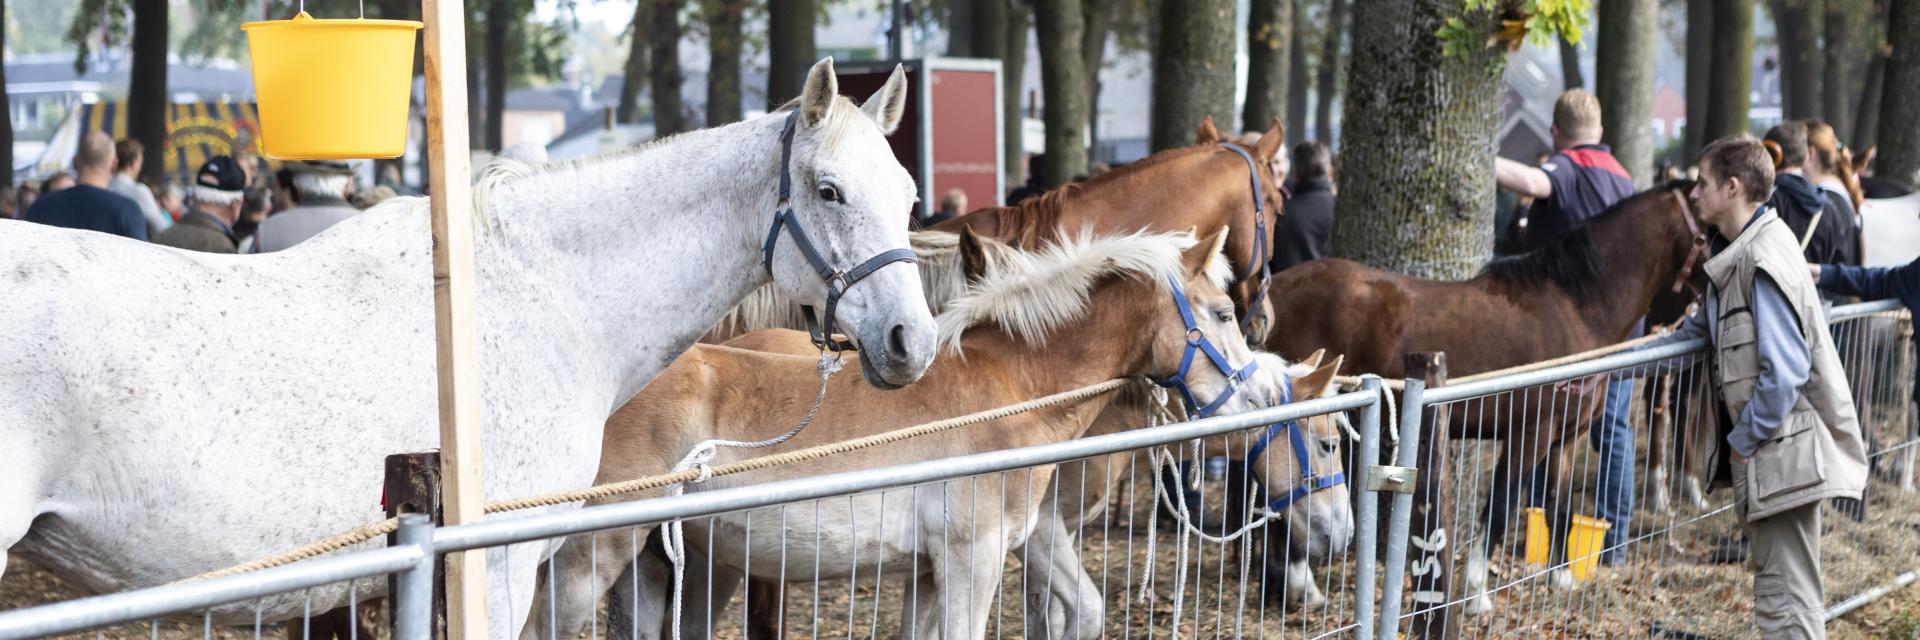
(1260, 252)
(1309, 481)
(838, 282)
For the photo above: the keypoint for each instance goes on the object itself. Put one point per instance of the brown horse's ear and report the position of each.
(1195, 258)
(1272, 141)
(973, 257)
(1208, 134)
(1313, 360)
(1315, 384)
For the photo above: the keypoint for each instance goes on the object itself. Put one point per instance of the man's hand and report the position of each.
(1814, 268)
(1521, 179)
(1736, 457)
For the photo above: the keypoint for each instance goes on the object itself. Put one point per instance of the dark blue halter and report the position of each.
(1309, 482)
(1197, 342)
(820, 330)
(1260, 253)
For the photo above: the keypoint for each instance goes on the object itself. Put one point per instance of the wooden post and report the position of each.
(1433, 532)
(413, 486)
(453, 311)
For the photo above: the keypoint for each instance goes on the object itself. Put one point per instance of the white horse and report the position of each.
(166, 414)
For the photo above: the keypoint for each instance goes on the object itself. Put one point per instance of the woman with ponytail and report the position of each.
(1826, 229)
(1830, 167)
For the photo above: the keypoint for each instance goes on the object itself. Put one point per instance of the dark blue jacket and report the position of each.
(1876, 283)
(92, 208)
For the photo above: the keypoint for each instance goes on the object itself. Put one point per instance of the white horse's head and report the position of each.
(853, 200)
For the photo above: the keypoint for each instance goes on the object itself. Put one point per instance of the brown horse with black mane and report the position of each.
(1583, 292)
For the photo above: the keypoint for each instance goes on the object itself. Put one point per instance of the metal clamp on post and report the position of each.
(1382, 477)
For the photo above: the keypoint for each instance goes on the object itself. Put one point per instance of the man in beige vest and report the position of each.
(1788, 427)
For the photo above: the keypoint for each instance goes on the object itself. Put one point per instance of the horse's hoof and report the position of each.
(1562, 578)
(1479, 605)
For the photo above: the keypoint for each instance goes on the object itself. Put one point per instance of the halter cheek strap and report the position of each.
(820, 328)
(1695, 255)
(1260, 251)
(1197, 342)
(1309, 482)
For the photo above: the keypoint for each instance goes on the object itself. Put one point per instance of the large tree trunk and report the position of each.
(6, 133)
(628, 111)
(1059, 27)
(669, 114)
(1416, 160)
(1013, 68)
(1269, 38)
(993, 36)
(1732, 74)
(1796, 24)
(1842, 52)
(1627, 43)
(1699, 74)
(498, 23)
(960, 28)
(1096, 23)
(1297, 75)
(789, 49)
(1193, 70)
(1329, 71)
(1866, 121)
(147, 86)
(724, 39)
(1899, 157)
(1570, 75)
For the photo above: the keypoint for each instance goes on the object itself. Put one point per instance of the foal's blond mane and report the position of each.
(942, 275)
(1030, 294)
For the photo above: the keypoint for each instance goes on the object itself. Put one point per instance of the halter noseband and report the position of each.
(1260, 257)
(1197, 341)
(1309, 482)
(838, 282)
(1695, 255)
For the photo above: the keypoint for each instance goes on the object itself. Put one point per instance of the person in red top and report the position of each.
(1581, 180)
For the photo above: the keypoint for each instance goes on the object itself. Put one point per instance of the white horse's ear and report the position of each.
(887, 105)
(816, 101)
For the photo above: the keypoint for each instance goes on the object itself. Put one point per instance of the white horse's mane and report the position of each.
(1033, 293)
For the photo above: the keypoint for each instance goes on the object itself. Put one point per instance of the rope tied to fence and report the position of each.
(383, 527)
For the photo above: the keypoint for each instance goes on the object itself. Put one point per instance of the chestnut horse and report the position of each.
(1585, 291)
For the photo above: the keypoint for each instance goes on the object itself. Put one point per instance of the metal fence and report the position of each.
(1064, 541)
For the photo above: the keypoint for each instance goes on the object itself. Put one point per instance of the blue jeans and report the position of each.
(1612, 437)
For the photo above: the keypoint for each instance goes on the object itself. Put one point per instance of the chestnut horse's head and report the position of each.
(1253, 218)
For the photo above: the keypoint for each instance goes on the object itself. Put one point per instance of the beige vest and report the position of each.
(1818, 453)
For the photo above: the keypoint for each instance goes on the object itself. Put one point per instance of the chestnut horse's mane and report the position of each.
(1039, 217)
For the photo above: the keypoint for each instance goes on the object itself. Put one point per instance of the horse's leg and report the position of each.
(965, 582)
(641, 595)
(765, 600)
(705, 595)
(1300, 584)
(1559, 513)
(1509, 469)
(1069, 601)
(573, 581)
(1661, 443)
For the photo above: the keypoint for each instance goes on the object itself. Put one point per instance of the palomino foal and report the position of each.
(151, 431)
(1006, 344)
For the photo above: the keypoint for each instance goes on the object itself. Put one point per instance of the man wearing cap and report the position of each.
(213, 205)
(320, 192)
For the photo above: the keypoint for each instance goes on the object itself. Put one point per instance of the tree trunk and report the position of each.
(1269, 38)
(1628, 29)
(1795, 26)
(1063, 77)
(960, 28)
(1732, 74)
(1899, 157)
(498, 23)
(1416, 160)
(1193, 72)
(1013, 66)
(1097, 24)
(1329, 71)
(789, 49)
(1699, 72)
(669, 116)
(147, 86)
(1866, 121)
(993, 34)
(6, 142)
(724, 37)
(1570, 75)
(1842, 52)
(628, 111)
(1297, 79)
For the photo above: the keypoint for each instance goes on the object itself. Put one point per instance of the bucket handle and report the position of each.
(363, 8)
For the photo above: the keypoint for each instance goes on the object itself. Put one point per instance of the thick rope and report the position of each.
(383, 527)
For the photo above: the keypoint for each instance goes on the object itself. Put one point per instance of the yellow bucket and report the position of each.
(1584, 542)
(332, 89)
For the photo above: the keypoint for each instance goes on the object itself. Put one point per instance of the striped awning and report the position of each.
(196, 131)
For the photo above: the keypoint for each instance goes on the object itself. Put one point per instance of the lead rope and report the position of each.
(672, 538)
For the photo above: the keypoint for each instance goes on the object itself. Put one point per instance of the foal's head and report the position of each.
(851, 200)
(1319, 518)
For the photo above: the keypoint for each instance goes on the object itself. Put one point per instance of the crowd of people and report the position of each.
(234, 204)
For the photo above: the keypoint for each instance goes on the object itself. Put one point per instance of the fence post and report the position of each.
(412, 486)
(413, 589)
(1406, 446)
(1368, 509)
(1433, 531)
